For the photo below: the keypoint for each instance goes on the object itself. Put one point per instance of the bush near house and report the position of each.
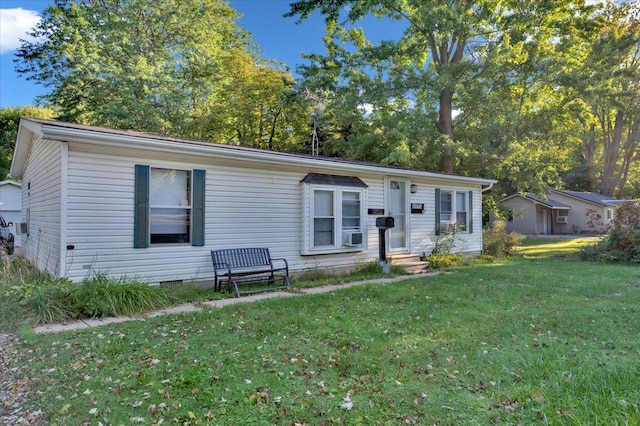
(622, 243)
(30, 297)
(497, 242)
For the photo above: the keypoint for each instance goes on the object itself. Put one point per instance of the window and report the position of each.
(337, 214)
(334, 214)
(609, 214)
(323, 219)
(454, 208)
(170, 203)
(169, 206)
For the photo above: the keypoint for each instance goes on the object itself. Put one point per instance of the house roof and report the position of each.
(11, 182)
(549, 203)
(593, 197)
(72, 132)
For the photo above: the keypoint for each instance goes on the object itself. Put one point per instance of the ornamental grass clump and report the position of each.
(30, 297)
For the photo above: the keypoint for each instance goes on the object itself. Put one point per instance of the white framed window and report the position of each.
(454, 209)
(170, 206)
(334, 214)
(337, 218)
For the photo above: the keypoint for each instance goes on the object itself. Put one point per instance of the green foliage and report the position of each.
(497, 242)
(622, 243)
(444, 260)
(28, 296)
(9, 121)
(179, 68)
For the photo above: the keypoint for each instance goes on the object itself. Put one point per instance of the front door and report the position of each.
(397, 206)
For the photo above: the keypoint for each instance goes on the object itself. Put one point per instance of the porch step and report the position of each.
(410, 262)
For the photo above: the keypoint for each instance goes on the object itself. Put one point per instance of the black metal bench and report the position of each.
(249, 267)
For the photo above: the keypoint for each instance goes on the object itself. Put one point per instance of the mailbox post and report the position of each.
(383, 223)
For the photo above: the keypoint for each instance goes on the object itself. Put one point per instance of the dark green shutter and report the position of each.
(197, 209)
(141, 207)
(471, 212)
(437, 211)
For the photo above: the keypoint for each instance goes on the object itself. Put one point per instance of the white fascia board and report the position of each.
(26, 130)
(240, 154)
(10, 182)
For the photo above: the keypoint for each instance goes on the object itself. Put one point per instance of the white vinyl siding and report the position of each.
(42, 205)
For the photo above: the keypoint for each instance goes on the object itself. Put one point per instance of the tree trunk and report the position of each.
(445, 126)
(611, 155)
(589, 145)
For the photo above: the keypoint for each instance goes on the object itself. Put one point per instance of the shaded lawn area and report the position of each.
(529, 340)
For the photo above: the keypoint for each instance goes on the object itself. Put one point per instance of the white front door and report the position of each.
(397, 207)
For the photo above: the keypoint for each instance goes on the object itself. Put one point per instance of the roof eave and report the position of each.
(26, 130)
(96, 137)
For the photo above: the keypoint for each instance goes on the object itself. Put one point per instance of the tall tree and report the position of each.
(9, 122)
(180, 68)
(465, 57)
(604, 88)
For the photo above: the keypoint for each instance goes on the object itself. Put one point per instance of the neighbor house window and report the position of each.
(334, 214)
(454, 208)
(169, 206)
(609, 214)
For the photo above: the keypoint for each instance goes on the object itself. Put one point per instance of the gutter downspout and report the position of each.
(488, 187)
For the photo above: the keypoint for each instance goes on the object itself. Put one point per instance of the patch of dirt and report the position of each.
(13, 392)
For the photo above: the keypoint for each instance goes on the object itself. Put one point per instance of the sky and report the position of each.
(279, 38)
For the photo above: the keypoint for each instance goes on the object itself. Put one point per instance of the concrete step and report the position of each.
(410, 262)
(401, 259)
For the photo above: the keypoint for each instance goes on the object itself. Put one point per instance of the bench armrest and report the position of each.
(281, 259)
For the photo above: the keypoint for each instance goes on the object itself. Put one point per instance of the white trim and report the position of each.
(64, 205)
(407, 213)
(11, 182)
(308, 220)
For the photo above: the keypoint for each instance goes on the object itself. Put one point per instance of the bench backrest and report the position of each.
(240, 258)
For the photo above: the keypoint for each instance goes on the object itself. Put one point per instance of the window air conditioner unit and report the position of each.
(562, 219)
(447, 227)
(22, 228)
(352, 238)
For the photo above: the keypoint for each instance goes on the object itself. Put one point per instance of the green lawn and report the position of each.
(538, 339)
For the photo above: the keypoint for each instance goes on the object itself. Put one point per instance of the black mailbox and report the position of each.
(384, 222)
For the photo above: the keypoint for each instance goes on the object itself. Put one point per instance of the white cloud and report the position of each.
(14, 25)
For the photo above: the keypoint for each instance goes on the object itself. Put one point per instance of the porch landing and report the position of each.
(410, 262)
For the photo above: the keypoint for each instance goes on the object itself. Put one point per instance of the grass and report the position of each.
(538, 339)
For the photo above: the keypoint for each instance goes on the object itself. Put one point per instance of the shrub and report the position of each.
(622, 243)
(443, 261)
(497, 242)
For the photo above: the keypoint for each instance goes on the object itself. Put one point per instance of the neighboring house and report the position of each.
(152, 207)
(563, 212)
(11, 203)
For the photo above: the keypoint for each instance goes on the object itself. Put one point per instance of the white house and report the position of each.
(11, 203)
(10, 200)
(562, 212)
(152, 207)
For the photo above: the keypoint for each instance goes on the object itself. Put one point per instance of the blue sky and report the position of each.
(278, 37)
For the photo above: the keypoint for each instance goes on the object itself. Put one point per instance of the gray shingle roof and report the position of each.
(548, 202)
